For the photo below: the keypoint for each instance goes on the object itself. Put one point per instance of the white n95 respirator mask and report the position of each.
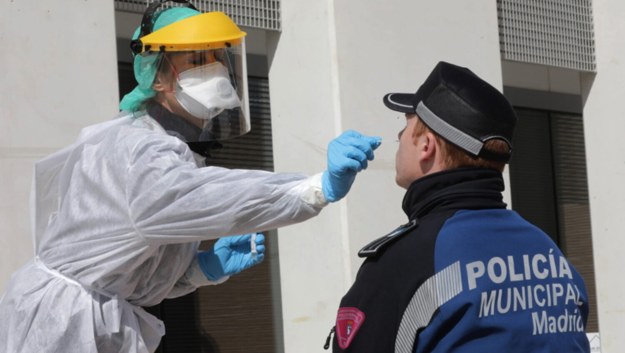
(205, 91)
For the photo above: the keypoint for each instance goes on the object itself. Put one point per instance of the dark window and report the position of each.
(549, 186)
(126, 78)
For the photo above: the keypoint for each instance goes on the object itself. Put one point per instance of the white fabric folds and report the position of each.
(117, 221)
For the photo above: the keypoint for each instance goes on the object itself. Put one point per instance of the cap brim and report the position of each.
(400, 102)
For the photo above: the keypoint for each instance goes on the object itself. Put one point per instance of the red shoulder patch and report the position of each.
(348, 321)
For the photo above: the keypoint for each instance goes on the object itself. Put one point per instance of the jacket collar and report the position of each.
(463, 188)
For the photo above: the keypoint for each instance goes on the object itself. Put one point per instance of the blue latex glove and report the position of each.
(231, 255)
(347, 155)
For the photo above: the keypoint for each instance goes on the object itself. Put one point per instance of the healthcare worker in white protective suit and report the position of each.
(119, 214)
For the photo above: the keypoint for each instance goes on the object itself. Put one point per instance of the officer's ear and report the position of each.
(423, 139)
(427, 145)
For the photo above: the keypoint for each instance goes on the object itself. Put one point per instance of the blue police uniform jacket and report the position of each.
(465, 275)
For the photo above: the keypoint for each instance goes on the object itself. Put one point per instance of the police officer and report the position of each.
(464, 274)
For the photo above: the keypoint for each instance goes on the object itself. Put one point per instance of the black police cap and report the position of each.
(462, 108)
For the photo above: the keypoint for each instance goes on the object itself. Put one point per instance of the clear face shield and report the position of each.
(210, 89)
(199, 69)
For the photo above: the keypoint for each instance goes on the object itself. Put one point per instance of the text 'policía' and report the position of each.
(538, 283)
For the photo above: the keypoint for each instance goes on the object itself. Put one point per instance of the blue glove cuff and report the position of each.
(326, 187)
(211, 266)
(335, 188)
(196, 276)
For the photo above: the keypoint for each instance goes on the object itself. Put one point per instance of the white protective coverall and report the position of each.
(118, 217)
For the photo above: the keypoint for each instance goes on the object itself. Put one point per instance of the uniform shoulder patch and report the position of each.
(348, 321)
(376, 246)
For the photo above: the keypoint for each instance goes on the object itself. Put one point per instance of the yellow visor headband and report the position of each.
(210, 30)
